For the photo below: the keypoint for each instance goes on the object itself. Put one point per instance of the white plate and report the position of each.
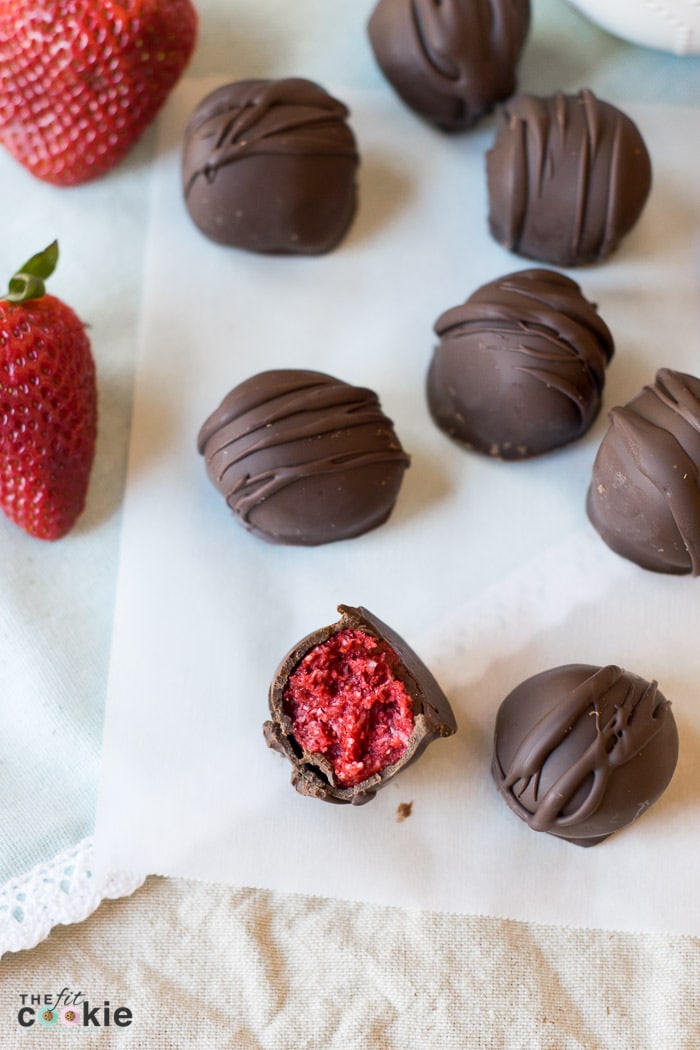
(668, 25)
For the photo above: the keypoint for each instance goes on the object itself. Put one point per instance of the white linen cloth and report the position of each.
(214, 968)
(57, 599)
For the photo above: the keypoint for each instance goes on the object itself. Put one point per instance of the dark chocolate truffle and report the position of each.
(580, 751)
(451, 61)
(568, 177)
(351, 706)
(520, 367)
(270, 166)
(303, 458)
(644, 498)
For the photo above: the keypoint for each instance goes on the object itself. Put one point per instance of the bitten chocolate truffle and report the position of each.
(351, 706)
(568, 177)
(270, 166)
(303, 458)
(644, 497)
(450, 62)
(520, 366)
(581, 751)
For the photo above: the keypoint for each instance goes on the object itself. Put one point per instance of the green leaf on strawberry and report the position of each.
(29, 281)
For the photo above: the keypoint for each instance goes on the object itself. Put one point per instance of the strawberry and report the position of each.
(48, 405)
(80, 80)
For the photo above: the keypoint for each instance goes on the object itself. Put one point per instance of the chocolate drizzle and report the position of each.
(269, 116)
(520, 367)
(450, 61)
(624, 724)
(581, 751)
(644, 498)
(296, 190)
(302, 457)
(568, 177)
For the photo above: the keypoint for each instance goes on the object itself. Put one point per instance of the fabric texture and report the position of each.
(56, 599)
(208, 967)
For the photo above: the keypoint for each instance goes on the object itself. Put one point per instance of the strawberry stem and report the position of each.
(28, 282)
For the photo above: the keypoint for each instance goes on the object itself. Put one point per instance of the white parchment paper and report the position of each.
(490, 570)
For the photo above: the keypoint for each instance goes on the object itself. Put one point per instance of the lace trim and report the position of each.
(63, 891)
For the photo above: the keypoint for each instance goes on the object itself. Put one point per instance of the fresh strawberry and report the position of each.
(48, 405)
(80, 80)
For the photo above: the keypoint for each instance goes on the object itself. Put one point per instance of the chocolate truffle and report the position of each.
(450, 62)
(644, 498)
(303, 458)
(270, 166)
(520, 367)
(580, 751)
(568, 177)
(351, 706)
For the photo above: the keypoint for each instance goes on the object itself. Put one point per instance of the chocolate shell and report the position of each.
(313, 772)
(270, 166)
(520, 367)
(581, 751)
(568, 177)
(450, 62)
(644, 498)
(303, 458)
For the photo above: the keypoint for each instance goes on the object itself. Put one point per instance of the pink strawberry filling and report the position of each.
(347, 703)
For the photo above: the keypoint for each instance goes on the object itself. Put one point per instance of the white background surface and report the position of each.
(57, 601)
(266, 969)
(205, 611)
